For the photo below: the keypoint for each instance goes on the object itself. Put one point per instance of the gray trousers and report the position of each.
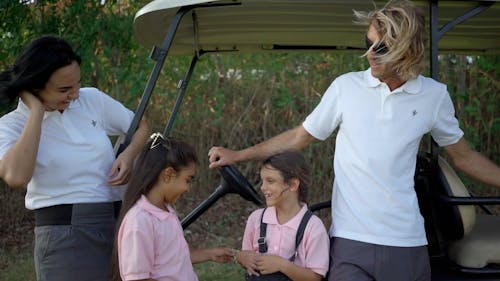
(81, 250)
(358, 261)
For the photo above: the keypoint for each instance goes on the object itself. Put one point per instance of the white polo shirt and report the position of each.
(75, 153)
(373, 198)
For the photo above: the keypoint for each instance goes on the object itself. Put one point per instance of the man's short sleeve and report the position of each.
(326, 116)
(446, 130)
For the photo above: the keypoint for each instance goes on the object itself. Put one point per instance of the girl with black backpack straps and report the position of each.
(285, 241)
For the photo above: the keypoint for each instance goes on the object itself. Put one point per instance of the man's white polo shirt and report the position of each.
(75, 153)
(373, 198)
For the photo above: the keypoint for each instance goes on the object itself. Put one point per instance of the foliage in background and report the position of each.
(233, 100)
(473, 82)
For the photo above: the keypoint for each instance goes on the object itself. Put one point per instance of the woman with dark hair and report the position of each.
(56, 145)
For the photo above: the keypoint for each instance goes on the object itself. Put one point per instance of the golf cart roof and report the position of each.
(267, 25)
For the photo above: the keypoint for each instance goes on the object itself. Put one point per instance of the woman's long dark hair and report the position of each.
(292, 164)
(34, 66)
(158, 154)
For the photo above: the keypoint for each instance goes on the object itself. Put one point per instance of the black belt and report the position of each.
(61, 214)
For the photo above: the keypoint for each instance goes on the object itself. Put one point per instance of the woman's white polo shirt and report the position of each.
(75, 153)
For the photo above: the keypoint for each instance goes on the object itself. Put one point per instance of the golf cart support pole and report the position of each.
(436, 34)
(182, 89)
(158, 55)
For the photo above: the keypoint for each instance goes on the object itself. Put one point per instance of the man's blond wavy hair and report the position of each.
(401, 26)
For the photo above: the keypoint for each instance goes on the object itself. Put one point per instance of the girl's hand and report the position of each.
(248, 259)
(270, 264)
(221, 255)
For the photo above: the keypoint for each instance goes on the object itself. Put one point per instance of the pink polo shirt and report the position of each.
(313, 251)
(151, 244)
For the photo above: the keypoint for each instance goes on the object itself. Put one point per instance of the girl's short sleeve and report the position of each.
(136, 253)
(316, 244)
(251, 231)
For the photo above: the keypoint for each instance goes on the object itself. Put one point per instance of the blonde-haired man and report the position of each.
(381, 113)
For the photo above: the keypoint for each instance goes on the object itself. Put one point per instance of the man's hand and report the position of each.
(220, 156)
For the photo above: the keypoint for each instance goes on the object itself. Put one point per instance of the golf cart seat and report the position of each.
(474, 238)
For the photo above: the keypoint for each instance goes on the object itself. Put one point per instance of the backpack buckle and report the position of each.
(262, 244)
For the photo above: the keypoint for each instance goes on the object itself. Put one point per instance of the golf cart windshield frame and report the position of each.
(159, 54)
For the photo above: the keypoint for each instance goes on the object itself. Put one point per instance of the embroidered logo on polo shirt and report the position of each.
(414, 112)
(94, 123)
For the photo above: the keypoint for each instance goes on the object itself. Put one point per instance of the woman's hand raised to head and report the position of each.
(32, 102)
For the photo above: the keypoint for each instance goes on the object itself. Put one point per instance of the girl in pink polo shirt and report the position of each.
(269, 243)
(150, 244)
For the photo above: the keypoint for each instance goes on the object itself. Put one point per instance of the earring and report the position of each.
(166, 178)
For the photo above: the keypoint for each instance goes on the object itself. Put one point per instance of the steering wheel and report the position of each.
(232, 181)
(239, 184)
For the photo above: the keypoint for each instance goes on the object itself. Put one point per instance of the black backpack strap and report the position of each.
(298, 237)
(300, 232)
(262, 238)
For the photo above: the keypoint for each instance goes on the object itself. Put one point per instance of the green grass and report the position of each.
(210, 271)
(20, 268)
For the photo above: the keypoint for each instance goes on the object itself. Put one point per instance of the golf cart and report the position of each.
(463, 245)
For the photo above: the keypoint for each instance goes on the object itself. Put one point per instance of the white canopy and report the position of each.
(265, 25)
